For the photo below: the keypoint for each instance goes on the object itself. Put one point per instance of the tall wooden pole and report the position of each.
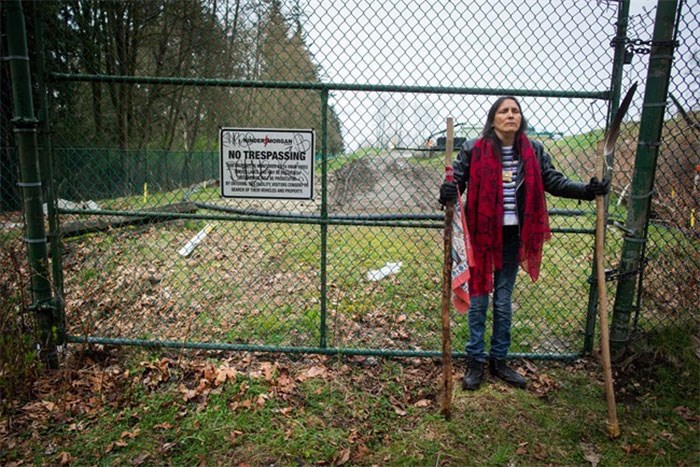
(601, 173)
(446, 382)
(613, 426)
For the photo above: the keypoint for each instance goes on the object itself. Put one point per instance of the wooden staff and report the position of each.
(608, 148)
(446, 383)
(613, 426)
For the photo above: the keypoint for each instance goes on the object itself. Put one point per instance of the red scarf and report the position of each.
(485, 213)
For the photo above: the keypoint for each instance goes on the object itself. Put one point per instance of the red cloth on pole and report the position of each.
(462, 258)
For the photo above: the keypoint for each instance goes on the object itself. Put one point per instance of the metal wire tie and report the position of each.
(621, 340)
(627, 238)
(646, 195)
(615, 274)
(620, 226)
(15, 57)
(627, 307)
(35, 240)
(28, 184)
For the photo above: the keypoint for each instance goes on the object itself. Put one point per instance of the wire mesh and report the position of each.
(137, 92)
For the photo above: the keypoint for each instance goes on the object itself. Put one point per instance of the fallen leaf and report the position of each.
(268, 370)
(343, 457)
(130, 434)
(224, 374)
(50, 406)
(234, 435)
(312, 372)
(423, 403)
(360, 453)
(284, 410)
(540, 453)
(590, 453)
(352, 437)
(632, 448)
(167, 447)
(65, 458)
(530, 366)
(522, 448)
(260, 400)
(210, 373)
(187, 394)
(140, 459)
(76, 426)
(285, 382)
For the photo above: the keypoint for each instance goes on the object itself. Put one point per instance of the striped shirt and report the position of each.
(510, 181)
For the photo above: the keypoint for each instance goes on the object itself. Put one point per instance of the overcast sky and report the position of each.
(558, 45)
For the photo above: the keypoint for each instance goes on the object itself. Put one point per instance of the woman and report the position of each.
(506, 175)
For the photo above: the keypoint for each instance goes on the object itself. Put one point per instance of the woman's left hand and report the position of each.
(597, 188)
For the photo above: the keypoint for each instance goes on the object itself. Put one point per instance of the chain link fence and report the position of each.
(137, 93)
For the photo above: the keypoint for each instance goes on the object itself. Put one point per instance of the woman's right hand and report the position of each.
(448, 192)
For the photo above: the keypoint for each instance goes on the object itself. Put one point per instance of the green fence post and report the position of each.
(650, 128)
(25, 128)
(616, 86)
(46, 169)
(324, 214)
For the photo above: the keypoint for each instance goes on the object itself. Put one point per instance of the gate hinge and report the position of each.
(615, 273)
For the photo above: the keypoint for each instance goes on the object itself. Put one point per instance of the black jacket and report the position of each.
(555, 183)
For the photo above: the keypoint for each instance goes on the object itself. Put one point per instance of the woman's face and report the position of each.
(507, 119)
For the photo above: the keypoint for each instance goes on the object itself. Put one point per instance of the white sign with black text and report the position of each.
(267, 163)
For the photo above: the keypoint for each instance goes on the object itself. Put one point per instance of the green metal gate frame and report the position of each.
(324, 220)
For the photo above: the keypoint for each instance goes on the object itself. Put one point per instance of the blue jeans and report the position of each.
(503, 283)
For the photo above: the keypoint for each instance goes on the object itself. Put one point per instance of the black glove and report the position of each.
(448, 192)
(596, 187)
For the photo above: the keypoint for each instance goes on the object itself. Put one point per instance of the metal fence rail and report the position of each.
(135, 94)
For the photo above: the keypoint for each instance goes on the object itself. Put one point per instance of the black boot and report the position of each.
(474, 375)
(498, 368)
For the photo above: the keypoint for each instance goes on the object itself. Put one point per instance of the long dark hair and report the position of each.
(488, 126)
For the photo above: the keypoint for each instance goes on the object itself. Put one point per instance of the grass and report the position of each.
(581, 141)
(118, 407)
(279, 327)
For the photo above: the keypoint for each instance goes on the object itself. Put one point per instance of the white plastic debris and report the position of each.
(386, 270)
(66, 204)
(196, 240)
